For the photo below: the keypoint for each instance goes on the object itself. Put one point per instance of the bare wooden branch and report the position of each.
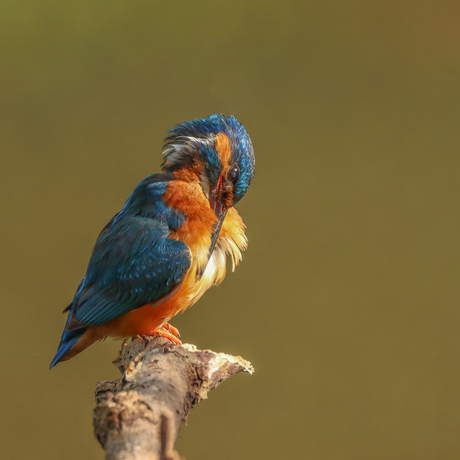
(139, 416)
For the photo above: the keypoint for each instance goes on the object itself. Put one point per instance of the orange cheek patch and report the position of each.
(223, 149)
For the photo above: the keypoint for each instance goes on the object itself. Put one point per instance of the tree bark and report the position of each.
(139, 416)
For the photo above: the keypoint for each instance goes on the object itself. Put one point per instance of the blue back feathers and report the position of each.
(147, 201)
(133, 262)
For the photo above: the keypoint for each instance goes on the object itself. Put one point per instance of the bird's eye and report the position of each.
(234, 173)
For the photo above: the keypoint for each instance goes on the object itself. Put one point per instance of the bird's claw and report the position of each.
(167, 331)
(172, 329)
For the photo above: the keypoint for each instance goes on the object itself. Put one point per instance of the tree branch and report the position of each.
(139, 416)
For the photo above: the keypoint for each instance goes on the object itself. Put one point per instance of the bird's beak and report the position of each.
(217, 205)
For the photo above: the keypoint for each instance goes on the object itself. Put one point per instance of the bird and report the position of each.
(169, 243)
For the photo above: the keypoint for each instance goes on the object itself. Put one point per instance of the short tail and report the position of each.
(68, 340)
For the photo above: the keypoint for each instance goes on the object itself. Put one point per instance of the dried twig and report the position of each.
(139, 415)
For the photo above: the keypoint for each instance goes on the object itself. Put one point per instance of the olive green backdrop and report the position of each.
(347, 300)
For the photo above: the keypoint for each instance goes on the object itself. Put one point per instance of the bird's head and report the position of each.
(219, 151)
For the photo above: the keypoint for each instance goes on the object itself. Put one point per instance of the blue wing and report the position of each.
(134, 263)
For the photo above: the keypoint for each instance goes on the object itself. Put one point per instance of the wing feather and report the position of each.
(133, 264)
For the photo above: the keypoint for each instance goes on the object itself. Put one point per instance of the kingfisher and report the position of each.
(168, 245)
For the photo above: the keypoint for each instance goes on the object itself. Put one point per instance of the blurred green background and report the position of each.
(347, 300)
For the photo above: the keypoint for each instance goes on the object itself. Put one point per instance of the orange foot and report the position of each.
(167, 331)
(172, 329)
